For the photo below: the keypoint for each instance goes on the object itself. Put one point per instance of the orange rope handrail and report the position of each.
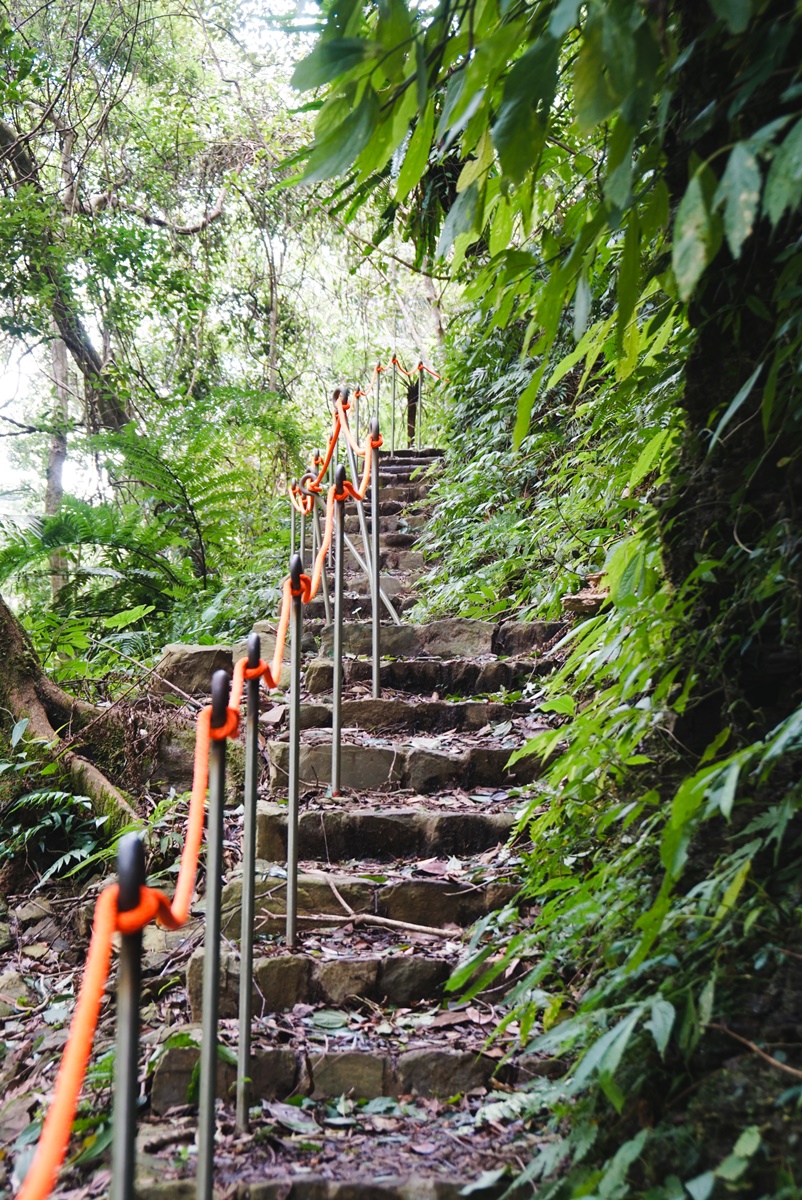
(154, 904)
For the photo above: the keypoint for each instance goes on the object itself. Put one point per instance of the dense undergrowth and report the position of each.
(665, 944)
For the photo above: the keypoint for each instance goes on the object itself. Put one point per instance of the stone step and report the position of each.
(326, 1073)
(335, 834)
(391, 559)
(459, 676)
(374, 768)
(406, 493)
(451, 637)
(287, 1184)
(389, 523)
(392, 713)
(357, 607)
(285, 980)
(411, 452)
(419, 901)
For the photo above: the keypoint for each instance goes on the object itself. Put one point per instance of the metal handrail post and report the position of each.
(211, 944)
(356, 419)
(248, 883)
(131, 877)
(294, 772)
(378, 390)
(392, 426)
(376, 580)
(420, 403)
(323, 578)
(337, 649)
(302, 547)
(292, 521)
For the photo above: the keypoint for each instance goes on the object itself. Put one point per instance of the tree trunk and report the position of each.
(26, 691)
(57, 454)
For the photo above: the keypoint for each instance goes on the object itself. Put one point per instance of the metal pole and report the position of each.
(292, 521)
(378, 389)
(248, 869)
(376, 580)
(302, 547)
(293, 781)
(356, 417)
(337, 650)
(131, 877)
(211, 944)
(392, 427)
(420, 402)
(324, 582)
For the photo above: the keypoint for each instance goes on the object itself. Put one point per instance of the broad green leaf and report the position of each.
(560, 704)
(628, 276)
(733, 892)
(18, 730)
(739, 193)
(525, 402)
(337, 150)
(693, 238)
(122, 620)
(464, 216)
(706, 999)
(393, 30)
(594, 95)
(564, 17)
(734, 13)
(661, 1022)
(329, 1018)
(701, 1186)
(417, 155)
(618, 183)
(721, 794)
(519, 131)
(605, 1054)
(615, 1176)
(421, 76)
(582, 302)
(784, 182)
(737, 401)
(330, 59)
(648, 457)
(748, 1143)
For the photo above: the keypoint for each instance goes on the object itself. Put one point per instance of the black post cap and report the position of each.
(339, 476)
(296, 570)
(220, 682)
(254, 650)
(130, 871)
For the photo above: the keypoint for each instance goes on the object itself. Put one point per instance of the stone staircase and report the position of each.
(370, 1081)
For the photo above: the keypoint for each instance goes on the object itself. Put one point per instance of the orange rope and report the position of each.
(55, 1135)
(153, 904)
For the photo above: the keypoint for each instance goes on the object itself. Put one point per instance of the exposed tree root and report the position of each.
(28, 692)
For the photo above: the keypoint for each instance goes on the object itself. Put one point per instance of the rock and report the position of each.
(406, 979)
(426, 902)
(190, 667)
(6, 939)
(175, 758)
(442, 1072)
(397, 641)
(228, 997)
(314, 896)
(32, 911)
(522, 637)
(13, 988)
(344, 978)
(165, 1189)
(429, 770)
(273, 1074)
(360, 1076)
(360, 767)
(280, 983)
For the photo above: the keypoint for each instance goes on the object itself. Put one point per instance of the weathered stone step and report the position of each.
(419, 901)
(392, 559)
(369, 768)
(407, 493)
(390, 523)
(357, 606)
(285, 980)
(412, 452)
(358, 1186)
(463, 677)
(393, 713)
(324, 1074)
(454, 637)
(335, 835)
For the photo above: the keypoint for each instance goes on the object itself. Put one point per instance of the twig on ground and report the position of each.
(775, 1062)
